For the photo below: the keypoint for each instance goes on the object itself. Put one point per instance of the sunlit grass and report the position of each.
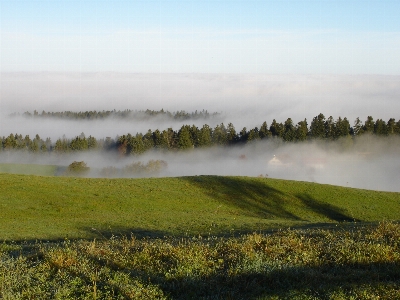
(345, 263)
(34, 207)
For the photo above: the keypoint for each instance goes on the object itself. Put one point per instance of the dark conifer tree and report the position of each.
(330, 130)
(342, 128)
(380, 127)
(391, 126)
(301, 130)
(169, 138)
(148, 142)
(184, 140)
(157, 139)
(253, 135)
(317, 127)
(194, 135)
(264, 132)
(219, 135)
(92, 142)
(232, 136)
(358, 127)
(136, 144)
(243, 135)
(205, 134)
(369, 125)
(289, 134)
(277, 129)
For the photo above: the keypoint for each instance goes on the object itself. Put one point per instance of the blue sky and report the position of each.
(269, 36)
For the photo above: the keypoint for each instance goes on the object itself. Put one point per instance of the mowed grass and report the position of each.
(35, 207)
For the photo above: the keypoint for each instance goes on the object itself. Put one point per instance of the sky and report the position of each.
(200, 36)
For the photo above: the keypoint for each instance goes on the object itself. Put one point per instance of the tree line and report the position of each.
(191, 136)
(120, 114)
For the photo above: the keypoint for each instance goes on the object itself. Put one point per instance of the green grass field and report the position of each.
(35, 207)
(28, 169)
(201, 237)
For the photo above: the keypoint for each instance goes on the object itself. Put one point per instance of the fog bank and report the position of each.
(246, 100)
(369, 162)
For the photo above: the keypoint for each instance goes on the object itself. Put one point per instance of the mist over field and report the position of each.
(369, 162)
(246, 100)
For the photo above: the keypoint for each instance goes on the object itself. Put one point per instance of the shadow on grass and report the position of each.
(327, 210)
(254, 198)
(121, 231)
(252, 279)
(316, 281)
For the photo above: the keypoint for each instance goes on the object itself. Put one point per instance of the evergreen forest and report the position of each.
(191, 136)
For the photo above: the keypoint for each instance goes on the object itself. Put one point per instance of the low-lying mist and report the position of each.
(246, 100)
(367, 162)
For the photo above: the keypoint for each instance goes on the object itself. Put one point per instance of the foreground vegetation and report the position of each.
(35, 207)
(346, 263)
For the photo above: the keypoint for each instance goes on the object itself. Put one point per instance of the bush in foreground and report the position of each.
(361, 263)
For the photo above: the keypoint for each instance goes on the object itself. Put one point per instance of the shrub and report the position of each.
(77, 168)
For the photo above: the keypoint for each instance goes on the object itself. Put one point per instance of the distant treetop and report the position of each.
(122, 114)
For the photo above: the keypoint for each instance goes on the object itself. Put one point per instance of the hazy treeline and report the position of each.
(136, 168)
(188, 137)
(121, 114)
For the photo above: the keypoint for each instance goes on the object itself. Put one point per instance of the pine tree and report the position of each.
(148, 140)
(157, 139)
(264, 132)
(317, 127)
(380, 127)
(243, 136)
(136, 144)
(205, 134)
(252, 135)
(232, 137)
(330, 131)
(220, 136)
(289, 131)
(184, 141)
(358, 127)
(194, 135)
(342, 128)
(369, 125)
(301, 130)
(276, 129)
(391, 126)
(34, 147)
(92, 142)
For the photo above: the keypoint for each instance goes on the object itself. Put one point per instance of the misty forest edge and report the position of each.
(190, 136)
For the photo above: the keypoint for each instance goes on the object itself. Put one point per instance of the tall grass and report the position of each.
(346, 263)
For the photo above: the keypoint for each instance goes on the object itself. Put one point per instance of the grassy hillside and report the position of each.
(34, 207)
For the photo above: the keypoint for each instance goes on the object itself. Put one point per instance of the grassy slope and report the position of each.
(34, 207)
